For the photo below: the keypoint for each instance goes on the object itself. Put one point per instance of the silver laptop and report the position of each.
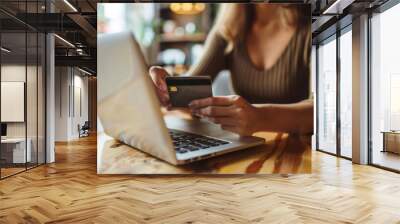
(129, 110)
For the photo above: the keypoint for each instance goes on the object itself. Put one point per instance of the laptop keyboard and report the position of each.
(187, 142)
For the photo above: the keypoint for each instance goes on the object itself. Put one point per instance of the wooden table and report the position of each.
(283, 153)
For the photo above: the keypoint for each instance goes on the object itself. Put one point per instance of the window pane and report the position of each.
(327, 96)
(345, 94)
(385, 86)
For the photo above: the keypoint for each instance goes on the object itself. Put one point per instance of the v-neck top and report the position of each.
(287, 81)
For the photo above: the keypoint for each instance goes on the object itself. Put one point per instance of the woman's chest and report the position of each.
(287, 81)
(265, 48)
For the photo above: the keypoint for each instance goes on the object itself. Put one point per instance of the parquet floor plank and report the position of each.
(70, 191)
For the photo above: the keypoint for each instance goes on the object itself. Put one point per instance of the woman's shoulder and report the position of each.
(215, 36)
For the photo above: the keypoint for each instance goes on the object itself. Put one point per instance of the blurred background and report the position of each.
(171, 34)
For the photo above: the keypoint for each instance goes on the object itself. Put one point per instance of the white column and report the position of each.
(360, 90)
(50, 99)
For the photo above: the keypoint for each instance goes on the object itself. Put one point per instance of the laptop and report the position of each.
(129, 110)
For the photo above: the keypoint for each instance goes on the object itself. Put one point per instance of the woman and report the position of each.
(266, 48)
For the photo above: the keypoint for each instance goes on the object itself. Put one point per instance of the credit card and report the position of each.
(183, 90)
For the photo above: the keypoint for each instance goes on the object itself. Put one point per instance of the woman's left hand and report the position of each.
(233, 113)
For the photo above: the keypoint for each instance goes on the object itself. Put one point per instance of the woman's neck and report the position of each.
(267, 15)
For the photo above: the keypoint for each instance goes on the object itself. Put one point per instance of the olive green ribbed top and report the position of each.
(288, 81)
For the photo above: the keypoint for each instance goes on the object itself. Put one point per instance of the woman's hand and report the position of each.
(233, 113)
(158, 75)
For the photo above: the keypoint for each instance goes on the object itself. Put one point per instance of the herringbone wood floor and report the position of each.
(70, 191)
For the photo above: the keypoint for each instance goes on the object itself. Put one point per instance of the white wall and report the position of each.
(61, 103)
(71, 94)
(81, 103)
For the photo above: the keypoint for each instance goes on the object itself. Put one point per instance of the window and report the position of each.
(346, 93)
(385, 89)
(334, 137)
(327, 96)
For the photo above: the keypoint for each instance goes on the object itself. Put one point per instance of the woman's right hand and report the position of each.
(158, 75)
